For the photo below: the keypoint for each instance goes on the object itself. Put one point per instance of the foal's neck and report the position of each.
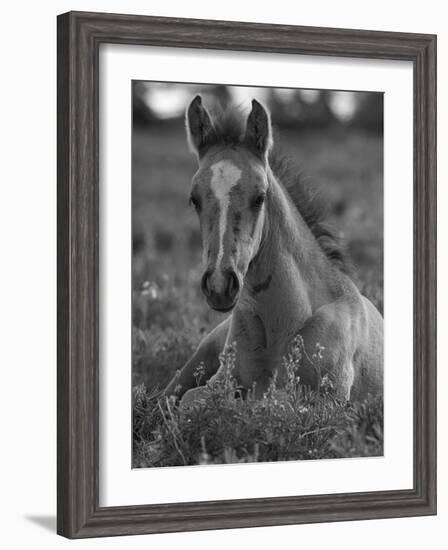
(290, 267)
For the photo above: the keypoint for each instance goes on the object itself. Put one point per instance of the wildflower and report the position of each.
(227, 364)
(199, 373)
(291, 363)
(317, 355)
(326, 384)
(172, 398)
(150, 289)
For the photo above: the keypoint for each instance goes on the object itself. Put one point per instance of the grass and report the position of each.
(170, 315)
(288, 424)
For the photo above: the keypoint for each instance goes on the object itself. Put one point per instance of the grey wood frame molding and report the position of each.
(79, 38)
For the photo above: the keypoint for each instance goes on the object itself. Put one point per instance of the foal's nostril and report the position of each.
(233, 284)
(205, 284)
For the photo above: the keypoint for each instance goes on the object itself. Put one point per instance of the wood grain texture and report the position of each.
(79, 37)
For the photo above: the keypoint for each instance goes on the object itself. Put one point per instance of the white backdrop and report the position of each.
(28, 275)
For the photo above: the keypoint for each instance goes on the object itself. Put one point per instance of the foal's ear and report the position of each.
(258, 135)
(200, 129)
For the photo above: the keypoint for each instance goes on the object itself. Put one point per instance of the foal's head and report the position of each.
(228, 192)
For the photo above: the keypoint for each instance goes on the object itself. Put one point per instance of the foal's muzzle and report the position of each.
(221, 289)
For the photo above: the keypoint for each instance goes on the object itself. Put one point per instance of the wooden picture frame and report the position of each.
(79, 38)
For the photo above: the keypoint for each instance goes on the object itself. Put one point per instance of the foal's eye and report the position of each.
(259, 200)
(195, 202)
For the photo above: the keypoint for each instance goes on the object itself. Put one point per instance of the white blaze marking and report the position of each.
(225, 176)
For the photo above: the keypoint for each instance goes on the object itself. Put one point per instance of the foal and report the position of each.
(271, 263)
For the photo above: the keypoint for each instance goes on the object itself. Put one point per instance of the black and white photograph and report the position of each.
(257, 274)
(222, 263)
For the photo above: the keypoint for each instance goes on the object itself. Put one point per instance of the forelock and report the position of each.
(229, 124)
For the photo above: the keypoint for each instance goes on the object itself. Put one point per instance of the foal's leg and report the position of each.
(206, 353)
(332, 330)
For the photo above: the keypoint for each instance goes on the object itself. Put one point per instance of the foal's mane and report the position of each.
(229, 128)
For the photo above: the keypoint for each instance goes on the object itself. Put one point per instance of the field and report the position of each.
(170, 315)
